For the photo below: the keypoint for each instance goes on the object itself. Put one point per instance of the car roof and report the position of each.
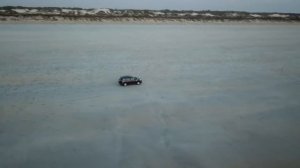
(126, 76)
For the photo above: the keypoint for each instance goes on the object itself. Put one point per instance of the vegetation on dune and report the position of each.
(74, 13)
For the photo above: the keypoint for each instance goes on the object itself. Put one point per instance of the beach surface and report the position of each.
(212, 96)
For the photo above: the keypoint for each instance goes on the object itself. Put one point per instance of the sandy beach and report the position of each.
(212, 96)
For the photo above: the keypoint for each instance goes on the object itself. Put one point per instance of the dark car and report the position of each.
(129, 80)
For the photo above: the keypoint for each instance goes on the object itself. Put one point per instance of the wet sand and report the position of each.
(206, 101)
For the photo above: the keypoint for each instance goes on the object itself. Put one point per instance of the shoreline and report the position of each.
(147, 21)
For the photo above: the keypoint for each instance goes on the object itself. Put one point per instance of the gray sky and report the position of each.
(240, 5)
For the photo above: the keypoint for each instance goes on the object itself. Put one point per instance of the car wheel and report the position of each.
(138, 83)
(125, 84)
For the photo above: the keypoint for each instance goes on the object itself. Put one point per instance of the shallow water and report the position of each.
(213, 95)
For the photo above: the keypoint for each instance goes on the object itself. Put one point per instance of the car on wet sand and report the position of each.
(129, 80)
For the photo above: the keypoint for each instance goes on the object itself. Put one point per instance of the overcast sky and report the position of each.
(239, 5)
